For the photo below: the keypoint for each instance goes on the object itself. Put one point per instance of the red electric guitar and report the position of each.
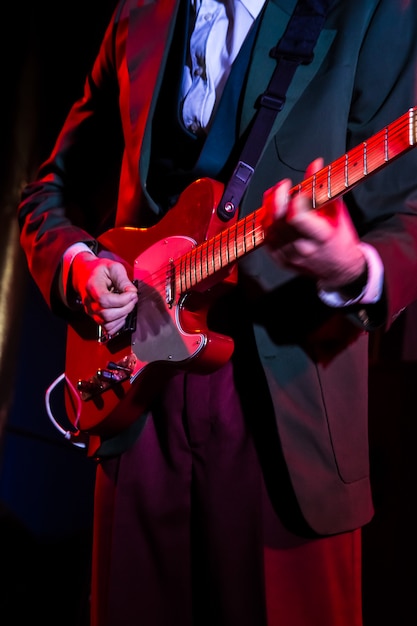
(178, 265)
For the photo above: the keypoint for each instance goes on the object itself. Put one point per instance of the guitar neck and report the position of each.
(360, 162)
(332, 181)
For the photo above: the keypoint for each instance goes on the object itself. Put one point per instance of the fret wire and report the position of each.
(248, 235)
(223, 243)
(231, 245)
(193, 263)
(193, 275)
(254, 230)
(329, 181)
(224, 246)
(219, 258)
(190, 268)
(313, 191)
(235, 243)
(365, 159)
(206, 261)
(178, 276)
(185, 273)
(193, 266)
(204, 273)
(215, 252)
(198, 266)
(411, 125)
(244, 236)
(346, 167)
(240, 239)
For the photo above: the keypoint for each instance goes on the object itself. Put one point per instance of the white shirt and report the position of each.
(220, 27)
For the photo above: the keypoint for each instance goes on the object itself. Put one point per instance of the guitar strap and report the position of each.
(294, 48)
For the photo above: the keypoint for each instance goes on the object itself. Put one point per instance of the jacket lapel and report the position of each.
(150, 30)
(146, 55)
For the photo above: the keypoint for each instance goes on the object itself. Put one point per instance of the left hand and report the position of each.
(322, 243)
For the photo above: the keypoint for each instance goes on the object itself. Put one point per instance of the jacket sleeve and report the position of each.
(59, 208)
(385, 206)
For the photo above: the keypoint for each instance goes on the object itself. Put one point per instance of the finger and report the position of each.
(308, 222)
(112, 328)
(314, 167)
(301, 201)
(116, 300)
(275, 202)
(300, 205)
(109, 317)
(119, 279)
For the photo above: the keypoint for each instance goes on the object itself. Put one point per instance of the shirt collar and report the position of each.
(254, 7)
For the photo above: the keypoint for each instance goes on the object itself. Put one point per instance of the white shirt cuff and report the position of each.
(69, 255)
(373, 289)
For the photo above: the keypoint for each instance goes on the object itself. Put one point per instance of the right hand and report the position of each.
(105, 290)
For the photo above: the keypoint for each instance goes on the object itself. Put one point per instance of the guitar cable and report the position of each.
(76, 437)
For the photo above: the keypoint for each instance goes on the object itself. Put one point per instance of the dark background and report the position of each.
(46, 483)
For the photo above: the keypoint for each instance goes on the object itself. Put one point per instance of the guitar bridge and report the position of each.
(106, 378)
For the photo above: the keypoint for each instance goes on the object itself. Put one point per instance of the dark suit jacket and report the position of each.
(315, 359)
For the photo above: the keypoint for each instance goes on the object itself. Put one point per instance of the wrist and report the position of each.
(355, 288)
(352, 288)
(66, 284)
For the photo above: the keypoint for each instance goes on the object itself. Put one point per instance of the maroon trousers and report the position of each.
(185, 534)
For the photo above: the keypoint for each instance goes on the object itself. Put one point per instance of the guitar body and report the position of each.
(110, 382)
